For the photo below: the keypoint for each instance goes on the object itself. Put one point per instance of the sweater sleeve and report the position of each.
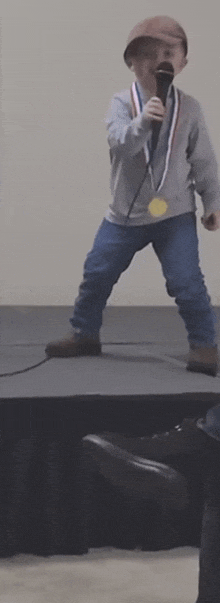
(126, 136)
(203, 163)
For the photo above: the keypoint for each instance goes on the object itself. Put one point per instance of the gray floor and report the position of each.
(102, 576)
(144, 351)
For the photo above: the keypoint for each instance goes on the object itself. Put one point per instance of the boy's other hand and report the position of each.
(154, 109)
(211, 222)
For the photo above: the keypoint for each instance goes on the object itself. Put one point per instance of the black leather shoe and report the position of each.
(186, 438)
(137, 476)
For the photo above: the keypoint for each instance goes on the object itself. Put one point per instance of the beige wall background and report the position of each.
(61, 62)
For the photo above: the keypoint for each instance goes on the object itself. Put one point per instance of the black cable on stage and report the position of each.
(29, 368)
(163, 357)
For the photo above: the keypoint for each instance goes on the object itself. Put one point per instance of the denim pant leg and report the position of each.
(176, 246)
(112, 252)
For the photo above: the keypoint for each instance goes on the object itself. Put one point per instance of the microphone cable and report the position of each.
(29, 368)
(137, 193)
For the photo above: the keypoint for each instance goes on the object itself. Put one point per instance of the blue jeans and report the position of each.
(175, 243)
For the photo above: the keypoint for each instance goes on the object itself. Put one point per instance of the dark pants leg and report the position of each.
(211, 423)
(209, 561)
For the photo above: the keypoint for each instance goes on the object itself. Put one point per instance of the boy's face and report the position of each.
(150, 55)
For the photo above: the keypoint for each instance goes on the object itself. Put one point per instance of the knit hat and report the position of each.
(161, 28)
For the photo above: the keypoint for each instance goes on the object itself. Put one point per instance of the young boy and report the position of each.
(153, 203)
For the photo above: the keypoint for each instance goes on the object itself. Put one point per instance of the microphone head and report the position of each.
(165, 72)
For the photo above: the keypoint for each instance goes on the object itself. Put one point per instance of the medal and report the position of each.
(158, 207)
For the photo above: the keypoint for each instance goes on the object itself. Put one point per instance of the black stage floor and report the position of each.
(138, 386)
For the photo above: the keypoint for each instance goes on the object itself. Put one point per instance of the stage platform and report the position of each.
(144, 351)
(49, 502)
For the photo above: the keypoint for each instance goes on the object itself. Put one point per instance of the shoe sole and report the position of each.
(137, 476)
(197, 367)
(80, 351)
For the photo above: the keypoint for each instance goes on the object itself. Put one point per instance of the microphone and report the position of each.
(164, 77)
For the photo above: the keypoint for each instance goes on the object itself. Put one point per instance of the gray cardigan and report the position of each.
(192, 165)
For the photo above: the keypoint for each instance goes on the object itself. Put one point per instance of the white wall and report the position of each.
(61, 63)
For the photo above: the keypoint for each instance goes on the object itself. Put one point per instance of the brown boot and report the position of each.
(203, 360)
(74, 346)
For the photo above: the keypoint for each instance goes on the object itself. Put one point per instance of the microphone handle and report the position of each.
(162, 89)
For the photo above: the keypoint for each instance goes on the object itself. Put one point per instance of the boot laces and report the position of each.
(186, 423)
(167, 433)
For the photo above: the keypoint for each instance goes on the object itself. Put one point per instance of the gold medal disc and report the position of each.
(158, 207)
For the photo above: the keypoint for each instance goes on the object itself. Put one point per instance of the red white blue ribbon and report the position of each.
(137, 107)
